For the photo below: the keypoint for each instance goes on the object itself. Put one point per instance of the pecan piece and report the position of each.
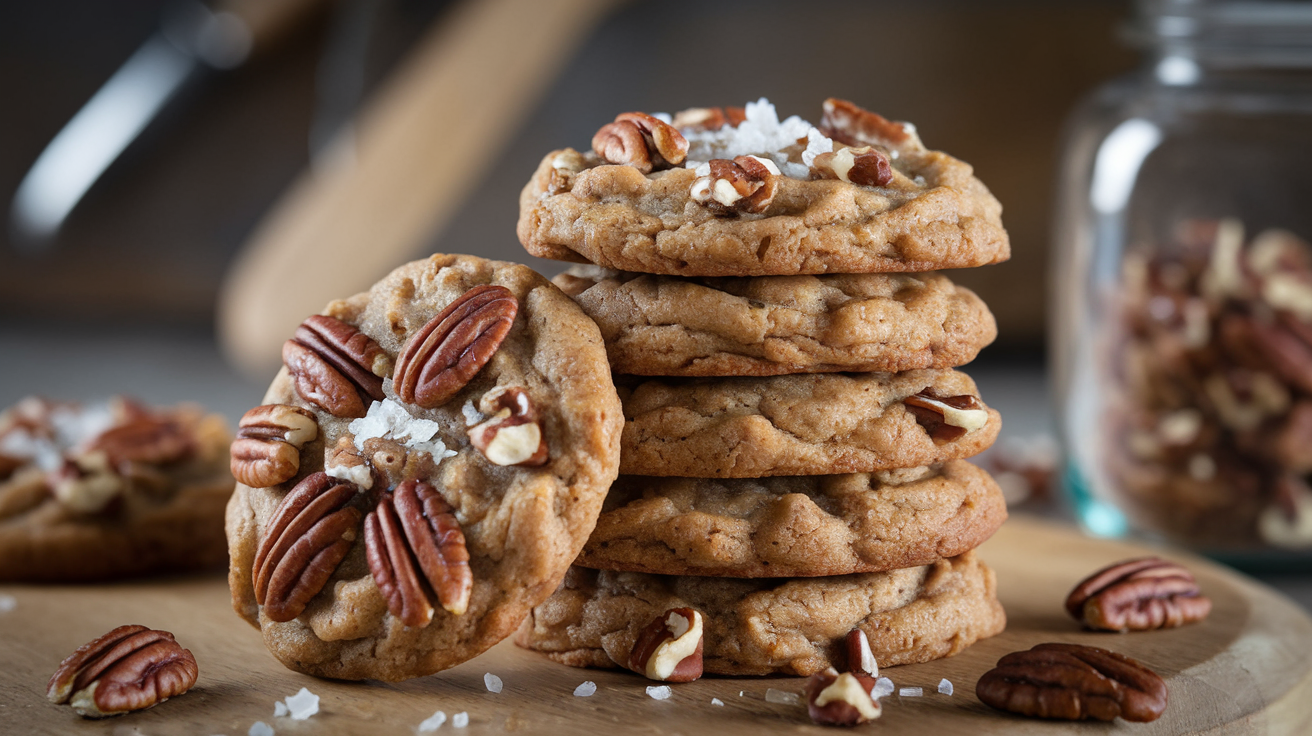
(87, 484)
(865, 166)
(855, 126)
(859, 657)
(669, 648)
(307, 537)
(512, 435)
(642, 141)
(1073, 682)
(413, 533)
(1136, 595)
(445, 354)
(745, 184)
(335, 366)
(708, 118)
(841, 700)
(267, 449)
(145, 438)
(946, 418)
(130, 668)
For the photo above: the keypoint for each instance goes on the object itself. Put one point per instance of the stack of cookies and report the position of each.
(792, 460)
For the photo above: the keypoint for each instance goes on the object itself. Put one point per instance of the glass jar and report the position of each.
(1181, 328)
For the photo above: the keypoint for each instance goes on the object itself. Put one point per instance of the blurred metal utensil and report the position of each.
(193, 38)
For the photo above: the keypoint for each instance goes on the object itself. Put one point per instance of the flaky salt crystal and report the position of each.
(716, 701)
(911, 692)
(460, 720)
(945, 686)
(883, 686)
(279, 709)
(492, 683)
(760, 134)
(433, 722)
(260, 728)
(659, 692)
(472, 416)
(816, 144)
(389, 420)
(585, 690)
(781, 696)
(7, 603)
(302, 705)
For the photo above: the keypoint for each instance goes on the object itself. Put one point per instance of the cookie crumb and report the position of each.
(585, 690)
(260, 728)
(460, 720)
(8, 603)
(781, 696)
(433, 722)
(659, 692)
(716, 701)
(302, 705)
(945, 686)
(911, 692)
(492, 683)
(883, 686)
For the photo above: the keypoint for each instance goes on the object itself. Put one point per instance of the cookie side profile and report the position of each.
(773, 626)
(794, 526)
(806, 424)
(764, 197)
(453, 504)
(98, 492)
(775, 325)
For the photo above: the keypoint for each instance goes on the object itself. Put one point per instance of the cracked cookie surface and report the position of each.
(807, 424)
(522, 524)
(773, 626)
(773, 325)
(794, 526)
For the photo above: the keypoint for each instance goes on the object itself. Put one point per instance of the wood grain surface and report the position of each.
(1243, 671)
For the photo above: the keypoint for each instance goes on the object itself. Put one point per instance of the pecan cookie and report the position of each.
(423, 471)
(113, 490)
(807, 424)
(773, 626)
(802, 526)
(773, 325)
(750, 195)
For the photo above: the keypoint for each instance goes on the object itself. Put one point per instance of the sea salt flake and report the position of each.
(945, 686)
(302, 705)
(716, 701)
(472, 416)
(883, 686)
(260, 728)
(7, 603)
(659, 692)
(279, 709)
(433, 722)
(911, 692)
(460, 720)
(816, 144)
(387, 419)
(761, 134)
(585, 690)
(492, 682)
(781, 696)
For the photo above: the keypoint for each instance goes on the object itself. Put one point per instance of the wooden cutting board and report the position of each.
(1243, 671)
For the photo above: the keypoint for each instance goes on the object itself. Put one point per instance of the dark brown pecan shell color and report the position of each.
(307, 537)
(156, 439)
(664, 651)
(335, 366)
(130, 668)
(1073, 682)
(642, 141)
(414, 544)
(1137, 595)
(267, 449)
(945, 418)
(445, 354)
(853, 125)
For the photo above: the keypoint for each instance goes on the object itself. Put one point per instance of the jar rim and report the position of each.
(1228, 32)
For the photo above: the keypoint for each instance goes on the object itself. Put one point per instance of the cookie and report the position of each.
(774, 325)
(97, 492)
(857, 194)
(807, 424)
(412, 538)
(773, 626)
(794, 526)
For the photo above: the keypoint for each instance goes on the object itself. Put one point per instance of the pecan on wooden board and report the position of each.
(1073, 682)
(1137, 595)
(130, 668)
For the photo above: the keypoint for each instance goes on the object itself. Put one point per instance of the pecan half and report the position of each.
(670, 647)
(946, 418)
(413, 533)
(859, 657)
(267, 449)
(445, 354)
(307, 537)
(335, 366)
(841, 700)
(708, 118)
(146, 438)
(512, 435)
(130, 668)
(642, 141)
(745, 184)
(865, 166)
(855, 126)
(1073, 682)
(1136, 595)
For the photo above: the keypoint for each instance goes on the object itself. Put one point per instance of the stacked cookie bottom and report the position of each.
(795, 472)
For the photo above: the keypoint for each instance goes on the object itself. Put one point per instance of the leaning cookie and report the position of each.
(807, 424)
(795, 526)
(111, 490)
(705, 194)
(773, 626)
(774, 325)
(426, 466)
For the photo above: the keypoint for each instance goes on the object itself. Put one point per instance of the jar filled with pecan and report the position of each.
(1182, 294)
